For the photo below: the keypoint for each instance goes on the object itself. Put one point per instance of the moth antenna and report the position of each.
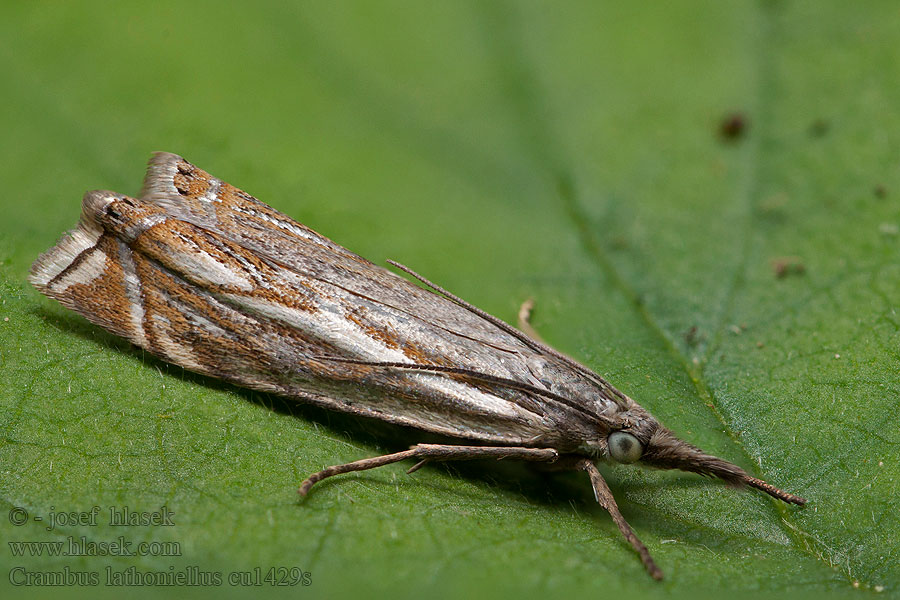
(774, 491)
(476, 375)
(534, 343)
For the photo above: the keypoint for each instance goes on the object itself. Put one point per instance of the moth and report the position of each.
(205, 276)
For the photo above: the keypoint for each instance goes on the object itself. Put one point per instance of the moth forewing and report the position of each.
(92, 272)
(203, 275)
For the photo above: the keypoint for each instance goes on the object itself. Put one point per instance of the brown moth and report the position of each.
(203, 275)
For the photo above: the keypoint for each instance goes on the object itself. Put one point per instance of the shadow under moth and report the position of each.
(205, 276)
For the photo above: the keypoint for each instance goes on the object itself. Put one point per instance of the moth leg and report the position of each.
(430, 452)
(525, 321)
(604, 496)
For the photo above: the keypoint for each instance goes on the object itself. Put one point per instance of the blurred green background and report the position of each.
(570, 152)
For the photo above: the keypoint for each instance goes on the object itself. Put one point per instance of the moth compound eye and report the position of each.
(624, 447)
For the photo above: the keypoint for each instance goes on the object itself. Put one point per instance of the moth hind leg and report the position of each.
(441, 452)
(524, 321)
(432, 452)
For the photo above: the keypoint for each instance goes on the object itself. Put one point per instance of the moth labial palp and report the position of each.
(205, 276)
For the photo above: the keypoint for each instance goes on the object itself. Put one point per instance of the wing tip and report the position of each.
(158, 182)
(67, 249)
(164, 158)
(73, 243)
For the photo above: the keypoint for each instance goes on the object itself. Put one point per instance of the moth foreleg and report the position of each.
(604, 496)
(430, 452)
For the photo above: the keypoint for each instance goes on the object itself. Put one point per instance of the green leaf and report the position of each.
(744, 290)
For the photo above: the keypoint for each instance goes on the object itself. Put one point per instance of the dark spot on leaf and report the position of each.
(788, 265)
(819, 128)
(733, 126)
(693, 336)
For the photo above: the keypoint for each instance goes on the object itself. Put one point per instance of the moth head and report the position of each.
(636, 437)
(633, 436)
(623, 435)
(663, 450)
(624, 447)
